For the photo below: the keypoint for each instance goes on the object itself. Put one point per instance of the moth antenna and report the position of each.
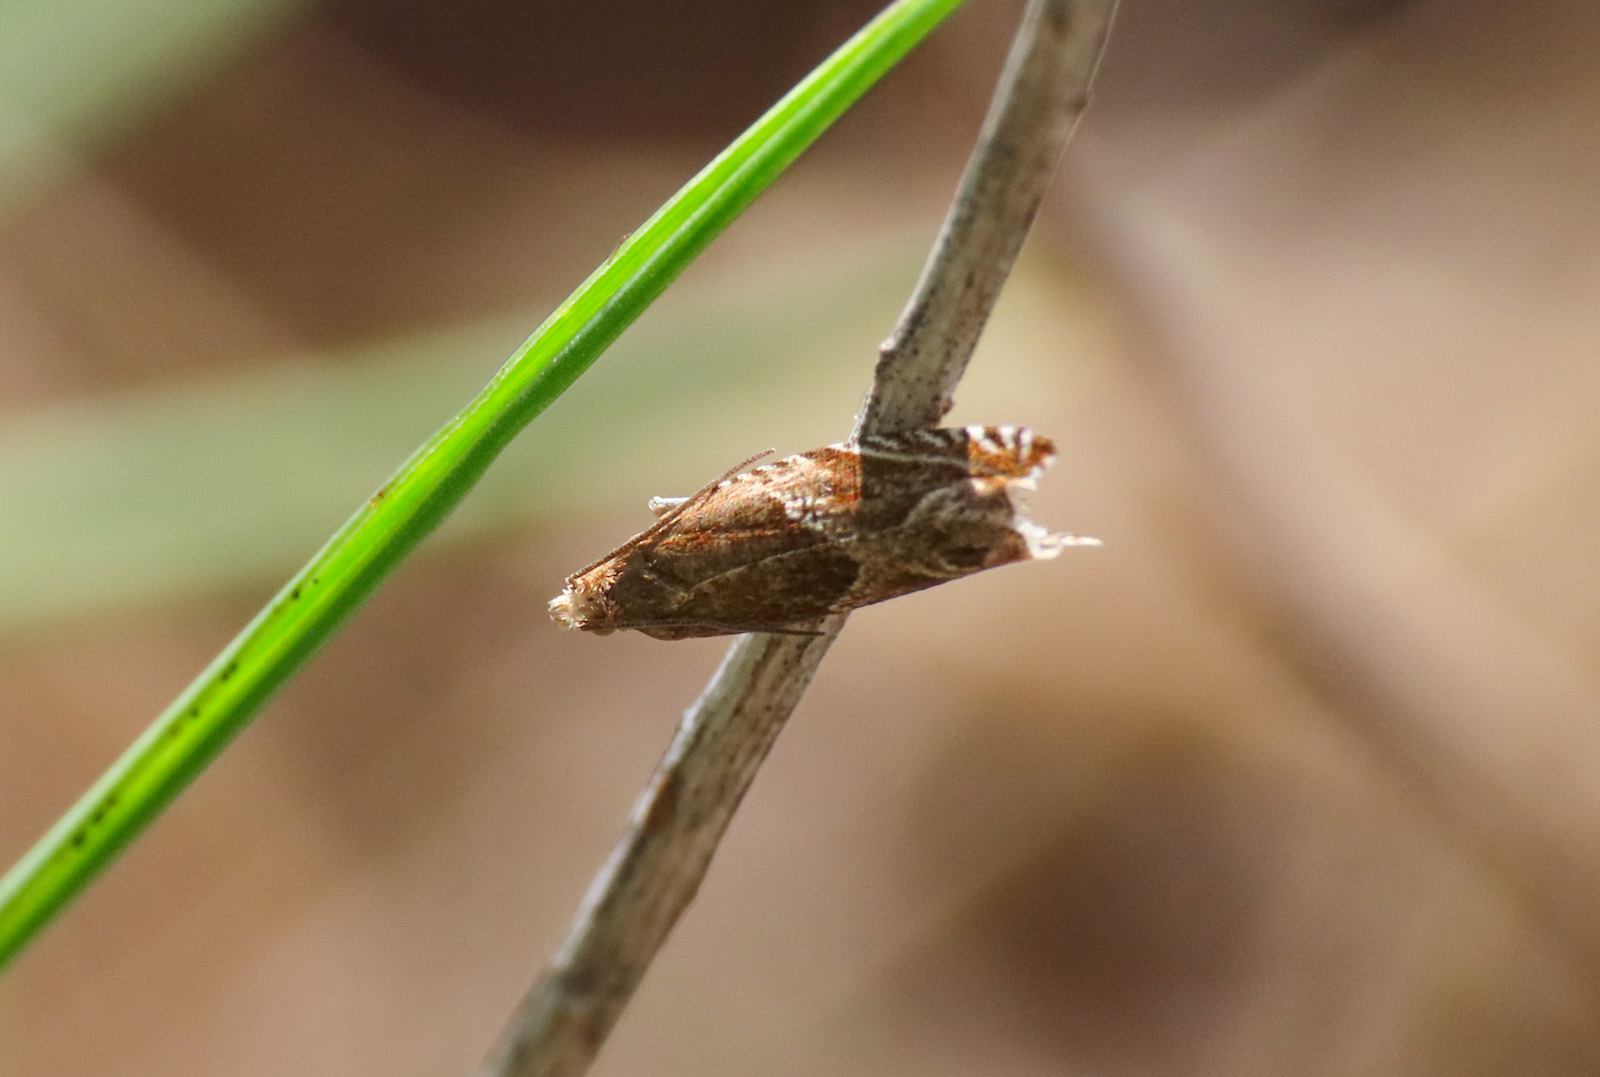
(671, 512)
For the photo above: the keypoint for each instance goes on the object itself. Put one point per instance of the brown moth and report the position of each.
(777, 547)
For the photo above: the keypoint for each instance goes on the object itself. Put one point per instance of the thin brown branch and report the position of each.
(1040, 97)
(658, 865)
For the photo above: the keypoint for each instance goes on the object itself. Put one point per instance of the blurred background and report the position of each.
(1299, 774)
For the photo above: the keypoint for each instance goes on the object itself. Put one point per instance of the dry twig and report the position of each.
(657, 867)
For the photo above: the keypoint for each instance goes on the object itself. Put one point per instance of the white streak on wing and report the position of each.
(985, 437)
(914, 458)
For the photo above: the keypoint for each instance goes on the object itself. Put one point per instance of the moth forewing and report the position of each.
(843, 526)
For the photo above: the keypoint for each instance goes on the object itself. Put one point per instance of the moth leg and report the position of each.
(671, 630)
(660, 506)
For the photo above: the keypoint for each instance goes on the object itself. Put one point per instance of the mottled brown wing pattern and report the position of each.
(843, 526)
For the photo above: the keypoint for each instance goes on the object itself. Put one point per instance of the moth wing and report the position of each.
(797, 503)
(667, 509)
(794, 586)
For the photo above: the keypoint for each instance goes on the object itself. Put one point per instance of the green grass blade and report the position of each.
(115, 502)
(219, 703)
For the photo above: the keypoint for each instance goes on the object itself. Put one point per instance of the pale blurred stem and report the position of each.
(656, 868)
(1431, 672)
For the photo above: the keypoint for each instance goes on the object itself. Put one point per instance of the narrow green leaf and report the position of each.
(220, 702)
(174, 490)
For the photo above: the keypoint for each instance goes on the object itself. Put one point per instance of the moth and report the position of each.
(775, 548)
